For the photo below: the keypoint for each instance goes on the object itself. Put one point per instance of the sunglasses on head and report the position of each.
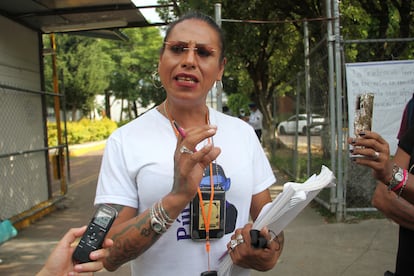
(178, 47)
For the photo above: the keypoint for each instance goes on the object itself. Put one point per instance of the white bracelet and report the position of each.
(157, 224)
(159, 218)
(163, 214)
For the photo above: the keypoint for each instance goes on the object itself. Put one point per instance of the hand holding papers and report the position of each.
(277, 214)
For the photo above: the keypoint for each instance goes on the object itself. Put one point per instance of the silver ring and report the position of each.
(376, 155)
(184, 149)
(233, 244)
(239, 239)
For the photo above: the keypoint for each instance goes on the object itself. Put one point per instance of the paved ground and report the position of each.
(313, 246)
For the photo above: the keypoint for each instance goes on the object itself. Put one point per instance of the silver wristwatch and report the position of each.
(397, 177)
(156, 223)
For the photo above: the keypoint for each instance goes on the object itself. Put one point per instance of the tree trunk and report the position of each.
(107, 104)
(135, 109)
(122, 110)
(74, 119)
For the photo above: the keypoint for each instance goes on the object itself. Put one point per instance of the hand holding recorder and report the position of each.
(60, 260)
(95, 234)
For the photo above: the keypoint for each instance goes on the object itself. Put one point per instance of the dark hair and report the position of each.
(202, 17)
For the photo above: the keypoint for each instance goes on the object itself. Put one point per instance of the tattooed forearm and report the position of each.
(131, 241)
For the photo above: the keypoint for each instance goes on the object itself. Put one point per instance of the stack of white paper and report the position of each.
(277, 214)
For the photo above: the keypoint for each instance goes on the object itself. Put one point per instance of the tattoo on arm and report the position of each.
(131, 241)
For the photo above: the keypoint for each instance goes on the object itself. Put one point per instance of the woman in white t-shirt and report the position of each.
(186, 179)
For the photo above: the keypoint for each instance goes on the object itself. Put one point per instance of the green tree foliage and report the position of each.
(85, 68)
(92, 66)
(238, 101)
(378, 19)
(136, 61)
(260, 56)
(264, 49)
(264, 57)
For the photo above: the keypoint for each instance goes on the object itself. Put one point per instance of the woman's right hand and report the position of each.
(189, 163)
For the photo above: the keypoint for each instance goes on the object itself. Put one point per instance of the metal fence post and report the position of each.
(339, 114)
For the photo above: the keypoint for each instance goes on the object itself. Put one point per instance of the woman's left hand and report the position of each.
(245, 255)
(371, 150)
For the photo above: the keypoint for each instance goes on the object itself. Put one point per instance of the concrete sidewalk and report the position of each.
(312, 246)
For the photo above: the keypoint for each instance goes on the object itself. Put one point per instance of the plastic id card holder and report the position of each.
(217, 219)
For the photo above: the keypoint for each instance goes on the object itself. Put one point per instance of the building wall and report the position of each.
(23, 173)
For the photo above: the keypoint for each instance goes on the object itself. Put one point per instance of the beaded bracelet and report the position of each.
(398, 186)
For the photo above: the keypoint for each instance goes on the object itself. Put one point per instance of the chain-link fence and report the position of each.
(359, 185)
(320, 89)
(304, 131)
(27, 179)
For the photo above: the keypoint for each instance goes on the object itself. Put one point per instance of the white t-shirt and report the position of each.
(137, 170)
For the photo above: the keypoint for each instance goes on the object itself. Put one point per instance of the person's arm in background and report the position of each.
(396, 208)
(370, 144)
(60, 260)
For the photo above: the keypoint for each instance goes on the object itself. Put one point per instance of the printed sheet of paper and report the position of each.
(277, 214)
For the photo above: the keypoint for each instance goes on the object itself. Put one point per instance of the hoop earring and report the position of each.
(155, 79)
(219, 86)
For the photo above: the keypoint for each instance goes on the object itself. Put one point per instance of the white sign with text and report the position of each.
(392, 83)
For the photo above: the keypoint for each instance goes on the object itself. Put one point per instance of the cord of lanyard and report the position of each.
(210, 207)
(206, 217)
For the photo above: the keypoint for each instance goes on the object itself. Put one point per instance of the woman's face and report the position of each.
(190, 63)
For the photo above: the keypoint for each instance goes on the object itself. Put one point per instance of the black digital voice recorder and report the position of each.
(95, 234)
